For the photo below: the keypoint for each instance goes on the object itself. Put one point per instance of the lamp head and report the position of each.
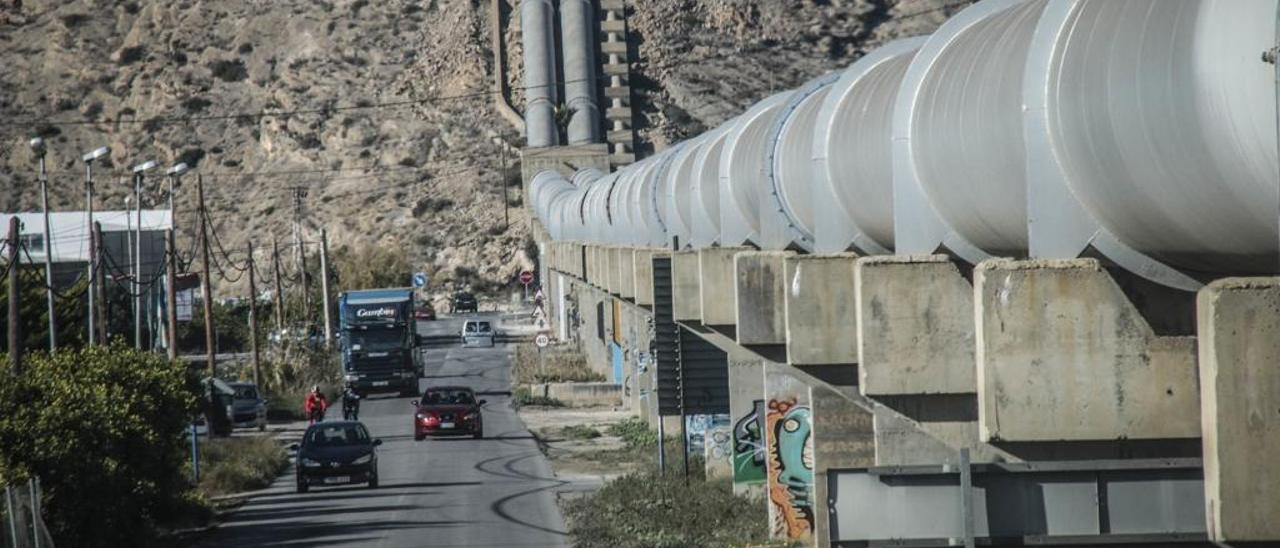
(38, 147)
(178, 169)
(98, 153)
(149, 164)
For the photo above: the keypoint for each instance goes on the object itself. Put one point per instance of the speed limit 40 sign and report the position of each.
(542, 340)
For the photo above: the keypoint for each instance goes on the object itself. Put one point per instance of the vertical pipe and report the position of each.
(15, 270)
(48, 257)
(324, 286)
(537, 27)
(93, 250)
(578, 51)
(253, 320)
(171, 296)
(137, 264)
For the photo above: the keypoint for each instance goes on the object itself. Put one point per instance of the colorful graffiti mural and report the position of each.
(748, 446)
(697, 427)
(790, 469)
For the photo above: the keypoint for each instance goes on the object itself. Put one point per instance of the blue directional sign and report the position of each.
(420, 280)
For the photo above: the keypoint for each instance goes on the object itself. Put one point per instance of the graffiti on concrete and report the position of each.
(748, 446)
(790, 451)
(696, 428)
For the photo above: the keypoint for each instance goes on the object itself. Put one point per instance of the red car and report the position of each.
(448, 411)
(425, 313)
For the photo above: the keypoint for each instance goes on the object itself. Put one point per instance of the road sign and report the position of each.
(542, 340)
(420, 280)
(526, 277)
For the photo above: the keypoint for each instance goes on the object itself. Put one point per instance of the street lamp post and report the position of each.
(174, 173)
(38, 146)
(138, 175)
(88, 189)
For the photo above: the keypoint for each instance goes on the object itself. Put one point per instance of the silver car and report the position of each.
(247, 409)
(477, 333)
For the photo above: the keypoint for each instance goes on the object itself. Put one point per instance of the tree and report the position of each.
(33, 311)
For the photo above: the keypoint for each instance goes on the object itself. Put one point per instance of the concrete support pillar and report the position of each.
(843, 437)
(820, 309)
(577, 24)
(718, 452)
(716, 275)
(1063, 354)
(687, 298)
(537, 27)
(759, 284)
(1239, 335)
(788, 439)
(613, 269)
(746, 416)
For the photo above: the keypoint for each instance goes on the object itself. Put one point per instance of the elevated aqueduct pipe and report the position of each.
(1144, 130)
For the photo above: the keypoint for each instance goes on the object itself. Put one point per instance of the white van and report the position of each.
(477, 333)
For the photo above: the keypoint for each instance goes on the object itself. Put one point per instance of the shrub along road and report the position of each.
(498, 491)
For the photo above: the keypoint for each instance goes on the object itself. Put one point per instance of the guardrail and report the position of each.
(442, 341)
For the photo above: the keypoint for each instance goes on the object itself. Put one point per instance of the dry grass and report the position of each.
(236, 465)
(558, 365)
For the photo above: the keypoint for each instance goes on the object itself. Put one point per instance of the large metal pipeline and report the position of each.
(1142, 129)
(577, 40)
(537, 25)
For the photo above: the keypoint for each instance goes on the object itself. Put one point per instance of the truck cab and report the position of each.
(379, 344)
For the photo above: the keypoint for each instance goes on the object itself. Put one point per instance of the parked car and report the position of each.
(449, 411)
(248, 409)
(337, 453)
(464, 302)
(425, 312)
(477, 333)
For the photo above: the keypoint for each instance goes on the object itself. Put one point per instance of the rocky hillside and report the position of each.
(379, 109)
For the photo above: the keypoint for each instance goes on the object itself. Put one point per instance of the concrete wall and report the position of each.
(626, 273)
(718, 452)
(915, 326)
(643, 276)
(820, 309)
(746, 416)
(788, 437)
(1063, 355)
(759, 285)
(1239, 328)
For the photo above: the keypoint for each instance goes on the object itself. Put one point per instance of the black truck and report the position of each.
(379, 345)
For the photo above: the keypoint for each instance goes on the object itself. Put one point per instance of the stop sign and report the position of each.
(526, 277)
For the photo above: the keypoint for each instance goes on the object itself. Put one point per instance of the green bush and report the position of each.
(103, 429)
(524, 397)
(635, 433)
(650, 510)
(236, 465)
(579, 432)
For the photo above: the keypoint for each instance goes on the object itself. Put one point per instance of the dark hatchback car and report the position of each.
(464, 302)
(337, 453)
(448, 411)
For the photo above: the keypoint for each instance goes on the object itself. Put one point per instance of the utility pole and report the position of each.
(253, 319)
(301, 252)
(502, 181)
(324, 286)
(95, 231)
(38, 146)
(171, 297)
(207, 292)
(275, 265)
(15, 329)
(98, 301)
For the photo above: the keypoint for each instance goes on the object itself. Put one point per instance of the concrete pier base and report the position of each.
(1063, 355)
(843, 437)
(613, 270)
(759, 286)
(1239, 336)
(642, 263)
(788, 441)
(820, 310)
(625, 259)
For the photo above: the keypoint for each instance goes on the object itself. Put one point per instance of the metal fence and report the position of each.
(20, 515)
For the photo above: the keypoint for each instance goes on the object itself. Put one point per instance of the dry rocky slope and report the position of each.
(388, 122)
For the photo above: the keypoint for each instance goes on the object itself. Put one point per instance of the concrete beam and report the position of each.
(759, 286)
(643, 276)
(1239, 335)
(915, 326)
(613, 267)
(1063, 354)
(820, 309)
(687, 295)
(626, 258)
(715, 273)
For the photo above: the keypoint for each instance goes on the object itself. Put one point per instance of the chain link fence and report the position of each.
(20, 516)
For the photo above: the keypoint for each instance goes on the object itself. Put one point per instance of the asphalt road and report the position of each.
(497, 491)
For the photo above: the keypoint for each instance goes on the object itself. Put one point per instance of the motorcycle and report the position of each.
(350, 406)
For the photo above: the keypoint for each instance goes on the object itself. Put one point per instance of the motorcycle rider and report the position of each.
(315, 405)
(350, 404)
